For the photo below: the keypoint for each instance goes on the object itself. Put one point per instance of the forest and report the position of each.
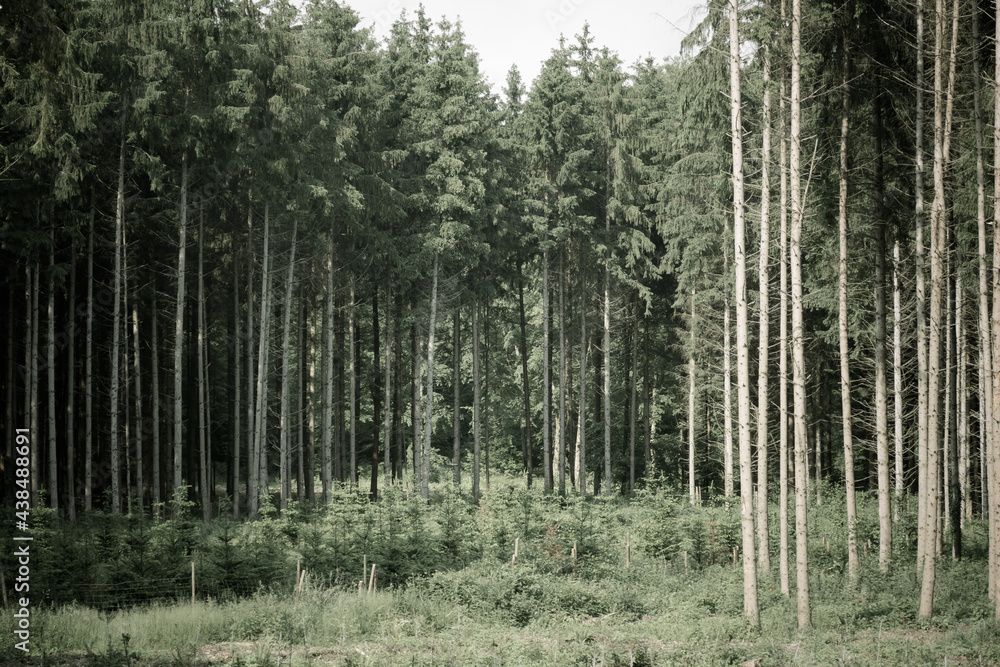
(284, 299)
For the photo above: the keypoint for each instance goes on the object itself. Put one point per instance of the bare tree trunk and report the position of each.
(328, 364)
(607, 358)
(897, 376)
(526, 433)
(237, 382)
(284, 417)
(387, 421)
(546, 375)
(763, 538)
(581, 436)
(251, 493)
(783, 574)
(50, 363)
(31, 398)
(994, 459)
(70, 392)
(415, 402)
(985, 353)
(476, 398)
(178, 338)
(920, 289)
(750, 607)
(930, 490)
(853, 562)
(691, 400)
(206, 502)
(955, 396)
(259, 458)
(456, 420)
(633, 398)
(563, 379)
(428, 421)
(88, 399)
(117, 317)
(727, 393)
(798, 356)
(352, 405)
(139, 473)
(881, 393)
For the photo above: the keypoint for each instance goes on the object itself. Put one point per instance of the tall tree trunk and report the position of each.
(897, 375)
(750, 608)
(88, 399)
(691, 399)
(31, 398)
(581, 437)
(727, 393)
(985, 353)
(206, 501)
(284, 417)
(376, 394)
(70, 391)
(117, 317)
(415, 403)
(783, 574)
(546, 375)
(526, 433)
(428, 420)
(881, 393)
(994, 459)
(178, 338)
(607, 356)
(633, 397)
(237, 382)
(397, 408)
(476, 398)
(798, 355)
(50, 363)
(764, 342)
(352, 405)
(387, 424)
(853, 562)
(456, 414)
(139, 473)
(259, 458)
(930, 489)
(251, 492)
(563, 379)
(328, 364)
(956, 451)
(920, 286)
(300, 405)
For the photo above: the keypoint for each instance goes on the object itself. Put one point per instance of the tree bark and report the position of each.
(764, 338)
(563, 379)
(237, 383)
(994, 459)
(798, 360)
(546, 375)
(88, 399)
(881, 392)
(429, 414)
(853, 562)
(50, 363)
(284, 418)
(258, 459)
(206, 503)
(476, 398)
(328, 367)
(783, 574)
(70, 391)
(691, 399)
(178, 338)
(352, 406)
(750, 608)
(456, 419)
(526, 434)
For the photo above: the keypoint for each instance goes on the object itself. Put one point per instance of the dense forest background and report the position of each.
(253, 257)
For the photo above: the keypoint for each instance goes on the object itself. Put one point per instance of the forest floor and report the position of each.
(521, 579)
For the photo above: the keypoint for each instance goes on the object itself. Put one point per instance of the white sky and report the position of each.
(524, 32)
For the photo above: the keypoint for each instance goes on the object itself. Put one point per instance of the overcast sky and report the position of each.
(524, 32)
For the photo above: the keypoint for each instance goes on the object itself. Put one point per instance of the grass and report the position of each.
(450, 594)
(650, 615)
